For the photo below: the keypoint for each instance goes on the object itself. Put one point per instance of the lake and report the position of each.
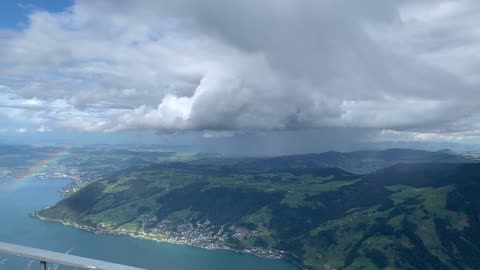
(18, 227)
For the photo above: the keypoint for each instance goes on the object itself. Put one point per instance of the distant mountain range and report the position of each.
(413, 210)
(355, 162)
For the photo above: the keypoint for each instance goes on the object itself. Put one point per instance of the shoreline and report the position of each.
(153, 237)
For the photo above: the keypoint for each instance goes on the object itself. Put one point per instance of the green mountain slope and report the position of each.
(360, 162)
(408, 216)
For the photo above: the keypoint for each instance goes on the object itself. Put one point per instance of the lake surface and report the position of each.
(18, 227)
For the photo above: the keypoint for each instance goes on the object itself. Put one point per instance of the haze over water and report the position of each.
(18, 227)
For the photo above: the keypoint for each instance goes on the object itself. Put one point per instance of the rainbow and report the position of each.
(41, 166)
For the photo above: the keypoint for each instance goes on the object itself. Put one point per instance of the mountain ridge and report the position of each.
(359, 162)
(407, 215)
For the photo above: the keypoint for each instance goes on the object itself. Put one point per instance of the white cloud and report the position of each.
(43, 129)
(173, 113)
(31, 102)
(218, 134)
(21, 130)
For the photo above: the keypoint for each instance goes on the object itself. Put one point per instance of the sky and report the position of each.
(270, 76)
